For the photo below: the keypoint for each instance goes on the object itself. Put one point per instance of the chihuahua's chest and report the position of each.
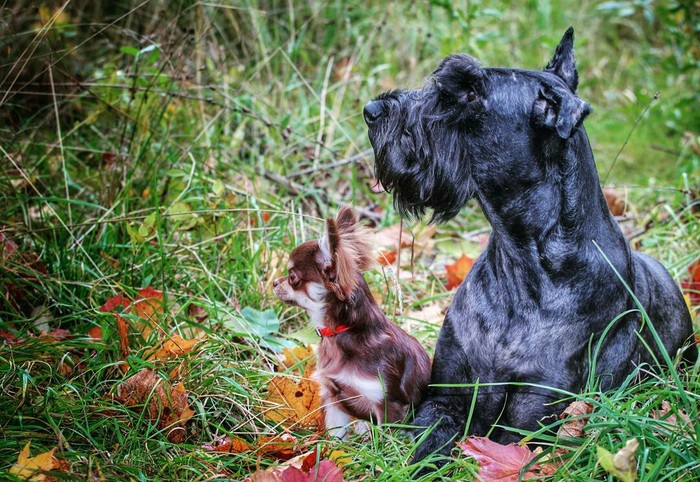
(355, 387)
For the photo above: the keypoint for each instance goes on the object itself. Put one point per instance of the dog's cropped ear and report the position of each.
(563, 64)
(556, 108)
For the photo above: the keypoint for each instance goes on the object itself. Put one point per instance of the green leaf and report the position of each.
(218, 187)
(129, 50)
(262, 326)
(147, 228)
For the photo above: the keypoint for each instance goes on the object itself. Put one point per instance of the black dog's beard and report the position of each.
(407, 164)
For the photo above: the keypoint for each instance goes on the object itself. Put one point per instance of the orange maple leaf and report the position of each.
(502, 463)
(31, 468)
(458, 271)
(174, 347)
(229, 445)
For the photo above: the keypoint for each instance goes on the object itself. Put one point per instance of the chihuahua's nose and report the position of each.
(373, 111)
(276, 282)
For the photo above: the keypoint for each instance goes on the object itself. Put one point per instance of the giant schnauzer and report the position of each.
(551, 299)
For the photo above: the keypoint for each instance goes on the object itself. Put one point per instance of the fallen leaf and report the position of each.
(264, 476)
(575, 414)
(458, 271)
(174, 347)
(325, 471)
(420, 241)
(283, 446)
(165, 404)
(667, 415)
(229, 445)
(298, 355)
(623, 464)
(502, 463)
(147, 307)
(691, 287)
(197, 312)
(293, 403)
(387, 257)
(95, 333)
(114, 302)
(616, 203)
(30, 468)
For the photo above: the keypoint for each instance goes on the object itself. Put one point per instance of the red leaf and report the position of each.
(95, 333)
(325, 471)
(113, 302)
(498, 463)
(149, 293)
(458, 271)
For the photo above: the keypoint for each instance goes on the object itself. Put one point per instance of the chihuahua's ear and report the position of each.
(349, 251)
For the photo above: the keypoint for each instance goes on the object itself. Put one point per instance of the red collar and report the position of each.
(326, 331)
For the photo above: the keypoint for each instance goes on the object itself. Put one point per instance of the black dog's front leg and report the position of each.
(444, 410)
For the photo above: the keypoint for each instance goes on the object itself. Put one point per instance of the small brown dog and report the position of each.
(367, 367)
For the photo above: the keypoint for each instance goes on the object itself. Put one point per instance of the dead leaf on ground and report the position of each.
(95, 333)
(387, 241)
(229, 445)
(576, 419)
(325, 470)
(295, 357)
(283, 446)
(458, 271)
(174, 347)
(502, 463)
(147, 306)
(616, 203)
(294, 403)
(165, 404)
(31, 468)
(265, 476)
(623, 464)
(432, 314)
(666, 414)
(691, 286)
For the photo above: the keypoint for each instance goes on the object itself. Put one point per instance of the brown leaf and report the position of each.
(387, 257)
(458, 271)
(174, 347)
(295, 357)
(197, 313)
(265, 476)
(666, 414)
(502, 463)
(616, 203)
(229, 445)
(165, 404)
(387, 239)
(575, 414)
(283, 446)
(31, 468)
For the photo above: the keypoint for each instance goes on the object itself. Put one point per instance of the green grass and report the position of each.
(157, 169)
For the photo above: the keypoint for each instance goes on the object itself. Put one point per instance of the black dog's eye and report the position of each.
(472, 96)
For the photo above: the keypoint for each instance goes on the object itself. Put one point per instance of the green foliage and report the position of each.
(188, 146)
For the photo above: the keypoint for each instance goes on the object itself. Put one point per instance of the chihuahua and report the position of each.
(368, 367)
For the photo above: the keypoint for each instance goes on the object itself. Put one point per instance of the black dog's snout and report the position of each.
(373, 111)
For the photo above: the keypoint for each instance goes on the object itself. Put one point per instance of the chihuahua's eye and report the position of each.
(294, 280)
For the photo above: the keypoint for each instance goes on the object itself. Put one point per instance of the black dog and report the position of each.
(536, 309)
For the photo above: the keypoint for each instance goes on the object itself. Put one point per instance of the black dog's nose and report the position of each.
(373, 110)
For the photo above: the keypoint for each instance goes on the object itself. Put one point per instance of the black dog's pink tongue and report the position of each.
(376, 186)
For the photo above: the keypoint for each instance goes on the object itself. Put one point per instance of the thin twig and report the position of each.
(342, 162)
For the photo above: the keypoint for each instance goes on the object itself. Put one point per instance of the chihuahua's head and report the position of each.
(331, 265)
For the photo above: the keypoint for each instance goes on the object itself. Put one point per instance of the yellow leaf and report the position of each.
(30, 468)
(174, 347)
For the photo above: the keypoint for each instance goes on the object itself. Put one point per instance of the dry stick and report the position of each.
(342, 162)
(624, 144)
(297, 189)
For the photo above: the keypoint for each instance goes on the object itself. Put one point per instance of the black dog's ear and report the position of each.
(555, 108)
(460, 76)
(563, 64)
